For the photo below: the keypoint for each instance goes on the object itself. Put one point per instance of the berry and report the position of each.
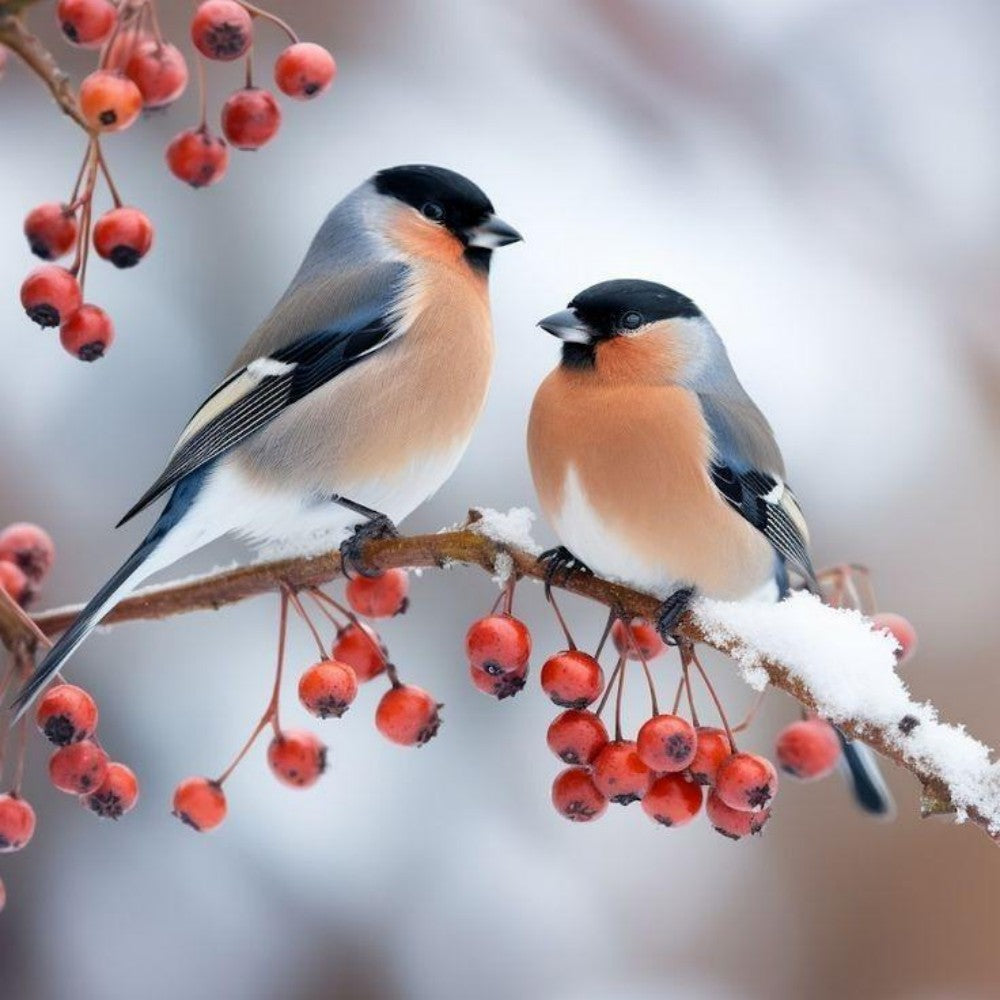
(499, 686)
(221, 29)
(646, 638)
(572, 679)
(116, 795)
(733, 823)
(14, 582)
(123, 236)
(297, 758)
(198, 157)
(78, 768)
(29, 547)
(88, 333)
(200, 803)
(498, 644)
(51, 230)
(304, 70)
(808, 749)
(50, 294)
(713, 747)
(250, 118)
(87, 23)
(159, 71)
(901, 630)
(619, 773)
(672, 800)
(379, 596)
(667, 743)
(328, 688)
(576, 737)
(66, 714)
(17, 823)
(359, 647)
(576, 797)
(407, 715)
(746, 781)
(109, 100)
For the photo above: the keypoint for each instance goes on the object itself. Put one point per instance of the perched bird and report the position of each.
(657, 469)
(357, 395)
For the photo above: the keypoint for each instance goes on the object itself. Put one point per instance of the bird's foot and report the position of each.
(671, 611)
(560, 565)
(352, 557)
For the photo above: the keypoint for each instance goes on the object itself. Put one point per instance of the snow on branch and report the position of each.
(830, 660)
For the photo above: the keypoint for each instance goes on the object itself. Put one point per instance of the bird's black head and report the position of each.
(447, 199)
(626, 307)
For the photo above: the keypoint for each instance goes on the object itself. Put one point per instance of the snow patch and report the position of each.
(512, 527)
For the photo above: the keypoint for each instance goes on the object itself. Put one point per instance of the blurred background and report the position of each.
(820, 175)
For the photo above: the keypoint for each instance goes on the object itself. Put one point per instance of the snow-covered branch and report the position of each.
(830, 660)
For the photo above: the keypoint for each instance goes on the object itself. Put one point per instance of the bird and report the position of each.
(657, 470)
(355, 398)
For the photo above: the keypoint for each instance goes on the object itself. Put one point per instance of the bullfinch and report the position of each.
(354, 400)
(656, 468)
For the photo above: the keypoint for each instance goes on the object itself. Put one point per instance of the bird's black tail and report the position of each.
(865, 778)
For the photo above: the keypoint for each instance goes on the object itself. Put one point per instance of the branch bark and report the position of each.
(465, 546)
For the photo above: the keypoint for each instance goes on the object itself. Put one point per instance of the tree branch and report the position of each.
(15, 34)
(472, 547)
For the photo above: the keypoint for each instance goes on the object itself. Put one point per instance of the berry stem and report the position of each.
(4, 685)
(612, 617)
(686, 680)
(303, 614)
(249, 68)
(353, 619)
(551, 598)
(256, 11)
(751, 712)
(325, 611)
(693, 658)
(24, 663)
(154, 20)
(610, 685)
(677, 696)
(115, 197)
(618, 699)
(202, 95)
(645, 666)
(508, 604)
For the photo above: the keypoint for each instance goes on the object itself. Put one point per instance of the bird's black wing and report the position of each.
(255, 394)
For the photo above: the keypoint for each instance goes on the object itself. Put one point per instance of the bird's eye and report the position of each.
(433, 211)
(632, 320)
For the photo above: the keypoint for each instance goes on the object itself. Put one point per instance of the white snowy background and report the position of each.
(820, 175)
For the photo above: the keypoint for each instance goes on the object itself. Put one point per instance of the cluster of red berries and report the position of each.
(138, 69)
(26, 556)
(406, 715)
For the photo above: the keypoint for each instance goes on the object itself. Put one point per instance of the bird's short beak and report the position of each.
(493, 233)
(566, 325)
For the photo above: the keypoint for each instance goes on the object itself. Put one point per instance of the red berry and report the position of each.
(221, 29)
(50, 294)
(900, 629)
(576, 737)
(159, 71)
(116, 795)
(109, 100)
(572, 679)
(250, 118)
(359, 647)
(198, 157)
(576, 797)
(407, 715)
(88, 333)
(66, 714)
(200, 803)
(328, 688)
(379, 596)
(29, 547)
(672, 800)
(713, 747)
(499, 686)
(17, 823)
(297, 758)
(498, 644)
(646, 638)
(746, 781)
(123, 236)
(304, 70)
(87, 23)
(619, 773)
(733, 823)
(78, 768)
(14, 583)
(51, 230)
(667, 743)
(808, 749)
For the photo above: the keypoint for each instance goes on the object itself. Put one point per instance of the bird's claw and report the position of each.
(352, 558)
(671, 611)
(560, 565)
